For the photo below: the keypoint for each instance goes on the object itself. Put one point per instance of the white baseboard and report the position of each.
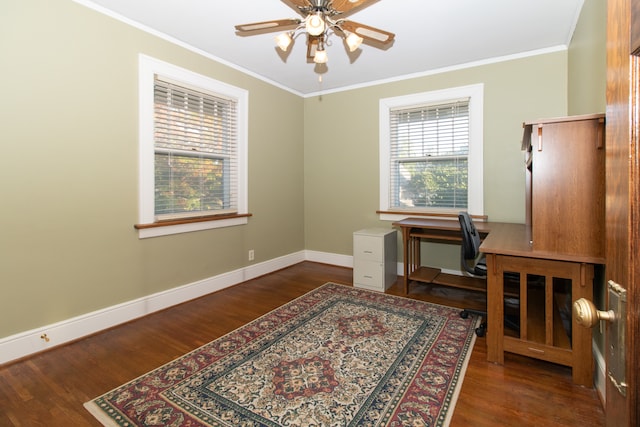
(30, 342)
(329, 258)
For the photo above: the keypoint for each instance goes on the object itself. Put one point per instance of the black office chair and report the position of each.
(472, 260)
(474, 263)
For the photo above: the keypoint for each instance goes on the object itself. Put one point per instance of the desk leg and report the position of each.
(407, 257)
(582, 354)
(495, 311)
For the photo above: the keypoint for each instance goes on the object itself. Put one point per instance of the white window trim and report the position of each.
(148, 68)
(475, 93)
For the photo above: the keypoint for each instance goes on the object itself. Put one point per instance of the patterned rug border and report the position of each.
(93, 408)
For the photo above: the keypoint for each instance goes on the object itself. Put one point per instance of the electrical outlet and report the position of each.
(251, 255)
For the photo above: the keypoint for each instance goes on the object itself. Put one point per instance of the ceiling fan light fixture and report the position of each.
(314, 24)
(320, 20)
(353, 41)
(320, 57)
(284, 41)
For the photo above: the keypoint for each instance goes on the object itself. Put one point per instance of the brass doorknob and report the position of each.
(586, 314)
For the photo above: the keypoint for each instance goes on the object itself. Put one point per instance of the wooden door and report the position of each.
(622, 207)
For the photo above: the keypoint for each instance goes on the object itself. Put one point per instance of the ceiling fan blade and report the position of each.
(266, 26)
(368, 33)
(348, 6)
(300, 6)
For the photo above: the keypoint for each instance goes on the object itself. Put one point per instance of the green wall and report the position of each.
(588, 60)
(70, 169)
(341, 150)
(69, 138)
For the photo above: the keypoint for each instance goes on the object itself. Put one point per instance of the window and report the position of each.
(192, 151)
(431, 153)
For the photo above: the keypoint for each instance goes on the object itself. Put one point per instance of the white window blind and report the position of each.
(195, 146)
(429, 150)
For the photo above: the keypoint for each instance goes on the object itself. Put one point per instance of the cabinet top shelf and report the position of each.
(595, 116)
(528, 127)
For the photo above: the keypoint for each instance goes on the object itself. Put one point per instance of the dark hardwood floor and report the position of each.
(49, 389)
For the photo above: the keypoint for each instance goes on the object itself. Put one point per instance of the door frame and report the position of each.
(622, 194)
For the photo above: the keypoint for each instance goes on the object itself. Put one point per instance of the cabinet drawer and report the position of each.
(369, 274)
(368, 248)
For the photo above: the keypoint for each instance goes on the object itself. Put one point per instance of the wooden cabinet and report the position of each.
(374, 259)
(551, 259)
(565, 184)
(538, 311)
(540, 288)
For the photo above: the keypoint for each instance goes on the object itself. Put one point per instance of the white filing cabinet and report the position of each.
(374, 258)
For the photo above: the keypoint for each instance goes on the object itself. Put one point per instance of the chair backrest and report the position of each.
(470, 242)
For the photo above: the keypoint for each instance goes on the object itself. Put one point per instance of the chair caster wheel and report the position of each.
(481, 330)
(464, 314)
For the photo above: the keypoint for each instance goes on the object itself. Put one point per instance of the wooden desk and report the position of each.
(508, 250)
(414, 230)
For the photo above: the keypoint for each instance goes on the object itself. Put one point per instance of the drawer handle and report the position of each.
(368, 252)
(368, 277)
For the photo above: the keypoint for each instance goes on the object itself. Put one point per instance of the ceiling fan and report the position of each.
(318, 17)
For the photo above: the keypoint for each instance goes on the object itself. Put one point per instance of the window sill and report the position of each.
(400, 215)
(187, 225)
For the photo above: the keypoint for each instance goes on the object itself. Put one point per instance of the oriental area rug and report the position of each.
(336, 356)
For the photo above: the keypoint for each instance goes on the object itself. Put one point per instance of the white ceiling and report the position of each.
(431, 35)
